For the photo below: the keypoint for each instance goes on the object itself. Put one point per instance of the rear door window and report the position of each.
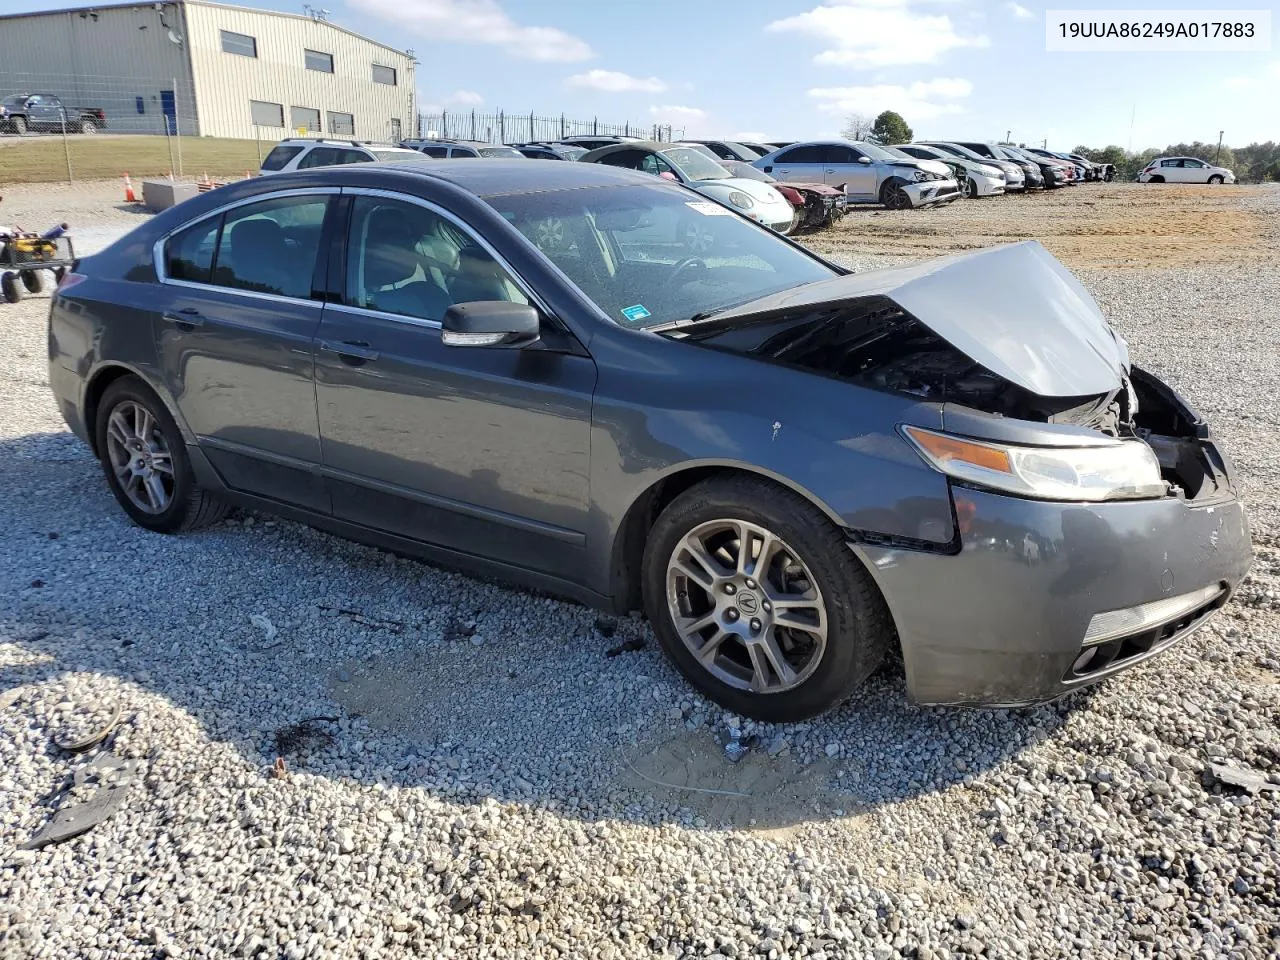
(319, 157)
(271, 246)
(438, 152)
(353, 156)
(800, 155)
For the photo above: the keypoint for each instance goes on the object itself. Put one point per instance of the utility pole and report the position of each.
(1044, 144)
(1008, 136)
(1217, 156)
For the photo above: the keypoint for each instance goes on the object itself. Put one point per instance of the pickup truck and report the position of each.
(43, 111)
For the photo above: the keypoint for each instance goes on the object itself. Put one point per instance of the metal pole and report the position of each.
(168, 139)
(257, 135)
(473, 124)
(1218, 155)
(177, 131)
(66, 146)
(562, 126)
(502, 127)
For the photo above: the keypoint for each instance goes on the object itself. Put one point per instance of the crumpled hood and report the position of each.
(1014, 309)
(932, 166)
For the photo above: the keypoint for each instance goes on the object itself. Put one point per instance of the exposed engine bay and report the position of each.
(874, 343)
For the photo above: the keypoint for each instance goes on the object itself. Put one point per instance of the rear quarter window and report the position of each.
(189, 253)
(278, 158)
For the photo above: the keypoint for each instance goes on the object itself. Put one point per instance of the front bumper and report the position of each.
(1002, 621)
(989, 186)
(927, 192)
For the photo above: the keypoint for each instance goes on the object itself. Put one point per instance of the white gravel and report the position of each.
(488, 787)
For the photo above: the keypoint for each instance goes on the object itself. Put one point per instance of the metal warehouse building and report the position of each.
(208, 69)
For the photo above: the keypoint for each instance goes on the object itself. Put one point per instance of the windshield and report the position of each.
(745, 171)
(1005, 153)
(695, 164)
(500, 152)
(648, 255)
(961, 151)
(749, 153)
(569, 151)
(898, 154)
(875, 152)
(14, 101)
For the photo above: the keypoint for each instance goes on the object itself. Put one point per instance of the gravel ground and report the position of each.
(486, 786)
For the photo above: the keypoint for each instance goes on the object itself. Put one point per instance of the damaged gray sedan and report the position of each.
(608, 387)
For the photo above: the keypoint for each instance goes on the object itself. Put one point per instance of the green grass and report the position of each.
(43, 159)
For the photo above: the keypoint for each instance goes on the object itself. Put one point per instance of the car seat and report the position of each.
(257, 247)
(394, 278)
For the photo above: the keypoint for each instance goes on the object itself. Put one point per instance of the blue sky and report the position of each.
(792, 69)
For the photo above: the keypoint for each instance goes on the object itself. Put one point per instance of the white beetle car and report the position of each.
(687, 164)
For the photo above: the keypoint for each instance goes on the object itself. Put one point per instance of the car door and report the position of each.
(844, 164)
(235, 320)
(1172, 170)
(44, 111)
(802, 163)
(1194, 171)
(481, 451)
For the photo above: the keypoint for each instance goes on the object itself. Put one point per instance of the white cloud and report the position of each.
(877, 33)
(755, 136)
(477, 21)
(1019, 11)
(611, 81)
(923, 100)
(464, 98)
(1238, 83)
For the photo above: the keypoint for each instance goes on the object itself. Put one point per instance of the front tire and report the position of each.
(1215, 179)
(758, 601)
(1156, 179)
(145, 461)
(33, 280)
(19, 126)
(973, 189)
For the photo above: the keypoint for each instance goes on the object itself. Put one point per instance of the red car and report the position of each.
(817, 204)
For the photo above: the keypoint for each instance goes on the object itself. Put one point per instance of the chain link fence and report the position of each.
(503, 127)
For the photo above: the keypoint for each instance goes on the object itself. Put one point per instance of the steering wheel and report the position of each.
(688, 263)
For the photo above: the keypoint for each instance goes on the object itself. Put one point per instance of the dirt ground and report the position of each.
(1113, 225)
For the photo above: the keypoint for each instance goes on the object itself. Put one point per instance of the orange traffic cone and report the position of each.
(129, 196)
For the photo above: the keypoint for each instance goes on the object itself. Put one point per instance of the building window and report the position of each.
(318, 61)
(266, 114)
(342, 124)
(385, 75)
(238, 43)
(304, 119)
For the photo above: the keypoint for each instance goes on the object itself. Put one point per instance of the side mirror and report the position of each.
(489, 323)
(864, 160)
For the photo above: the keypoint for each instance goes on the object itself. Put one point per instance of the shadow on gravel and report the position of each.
(440, 682)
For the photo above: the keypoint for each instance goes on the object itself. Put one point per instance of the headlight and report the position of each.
(740, 199)
(1125, 470)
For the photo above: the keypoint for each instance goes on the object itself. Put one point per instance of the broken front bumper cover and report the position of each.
(926, 192)
(1006, 619)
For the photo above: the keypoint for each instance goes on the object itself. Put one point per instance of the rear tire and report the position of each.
(88, 127)
(145, 461)
(743, 658)
(10, 287)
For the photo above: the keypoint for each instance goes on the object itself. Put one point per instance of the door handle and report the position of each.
(350, 350)
(188, 318)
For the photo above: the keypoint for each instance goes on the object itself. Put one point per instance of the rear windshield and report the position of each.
(399, 156)
(500, 152)
(279, 157)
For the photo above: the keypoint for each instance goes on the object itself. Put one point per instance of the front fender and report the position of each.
(664, 407)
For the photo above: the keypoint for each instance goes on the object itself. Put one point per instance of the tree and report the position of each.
(856, 126)
(890, 128)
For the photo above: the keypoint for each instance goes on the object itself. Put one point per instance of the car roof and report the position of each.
(500, 177)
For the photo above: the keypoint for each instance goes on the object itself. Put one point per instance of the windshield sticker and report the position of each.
(636, 313)
(708, 209)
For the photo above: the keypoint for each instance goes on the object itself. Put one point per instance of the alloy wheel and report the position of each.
(746, 606)
(140, 457)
